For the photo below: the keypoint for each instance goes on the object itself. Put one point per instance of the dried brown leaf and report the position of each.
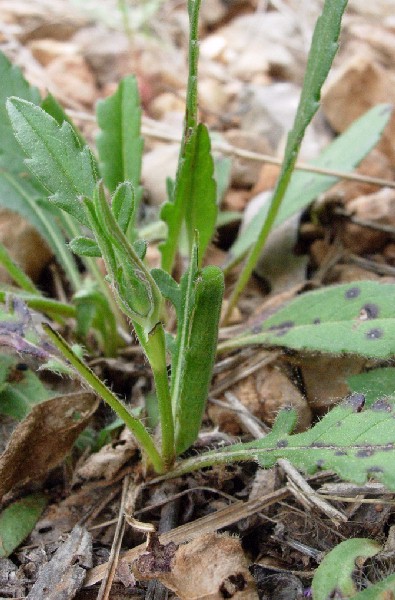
(41, 441)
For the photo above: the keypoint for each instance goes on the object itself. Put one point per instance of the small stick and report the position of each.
(108, 578)
(308, 493)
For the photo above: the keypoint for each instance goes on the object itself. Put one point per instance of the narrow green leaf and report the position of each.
(333, 578)
(323, 48)
(356, 318)
(54, 156)
(16, 273)
(119, 142)
(169, 288)
(123, 205)
(18, 520)
(343, 154)
(194, 199)
(198, 355)
(84, 246)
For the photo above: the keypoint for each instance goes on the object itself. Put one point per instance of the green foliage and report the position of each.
(323, 48)
(55, 156)
(333, 578)
(356, 318)
(377, 383)
(194, 199)
(20, 388)
(18, 520)
(343, 154)
(119, 142)
(354, 442)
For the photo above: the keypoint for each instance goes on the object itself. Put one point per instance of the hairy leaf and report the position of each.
(383, 590)
(84, 246)
(54, 156)
(18, 520)
(194, 199)
(119, 142)
(374, 384)
(356, 318)
(343, 154)
(354, 442)
(333, 578)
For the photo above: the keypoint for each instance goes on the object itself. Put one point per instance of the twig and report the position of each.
(108, 578)
(154, 132)
(242, 372)
(298, 484)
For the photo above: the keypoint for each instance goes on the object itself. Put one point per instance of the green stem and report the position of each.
(16, 272)
(136, 427)
(155, 349)
(255, 252)
(193, 59)
(50, 307)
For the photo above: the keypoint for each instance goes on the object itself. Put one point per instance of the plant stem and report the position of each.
(136, 427)
(155, 349)
(193, 59)
(16, 273)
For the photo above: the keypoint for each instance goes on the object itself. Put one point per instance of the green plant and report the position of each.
(353, 441)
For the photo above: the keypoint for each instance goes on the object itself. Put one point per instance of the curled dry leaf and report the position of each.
(41, 441)
(210, 567)
(108, 460)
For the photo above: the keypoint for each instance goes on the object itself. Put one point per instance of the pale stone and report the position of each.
(72, 76)
(358, 85)
(159, 164)
(47, 50)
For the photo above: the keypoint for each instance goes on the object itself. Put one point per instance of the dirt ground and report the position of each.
(244, 532)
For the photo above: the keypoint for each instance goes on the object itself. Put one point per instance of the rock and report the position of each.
(355, 87)
(235, 200)
(165, 104)
(377, 10)
(46, 50)
(107, 54)
(348, 273)
(324, 379)
(159, 164)
(378, 208)
(246, 172)
(24, 244)
(381, 41)
(268, 391)
(269, 111)
(72, 75)
(263, 43)
(213, 12)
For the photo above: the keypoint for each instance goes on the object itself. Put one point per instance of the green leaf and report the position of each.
(55, 110)
(374, 384)
(323, 48)
(343, 154)
(18, 520)
(84, 246)
(333, 578)
(119, 142)
(54, 156)
(123, 205)
(379, 591)
(198, 355)
(13, 83)
(353, 442)
(169, 288)
(22, 390)
(356, 318)
(194, 199)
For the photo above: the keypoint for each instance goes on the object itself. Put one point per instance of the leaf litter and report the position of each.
(284, 541)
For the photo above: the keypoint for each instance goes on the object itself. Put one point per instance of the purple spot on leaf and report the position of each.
(282, 328)
(365, 452)
(352, 292)
(282, 443)
(355, 401)
(382, 404)
(374, 334)
(369, 311)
